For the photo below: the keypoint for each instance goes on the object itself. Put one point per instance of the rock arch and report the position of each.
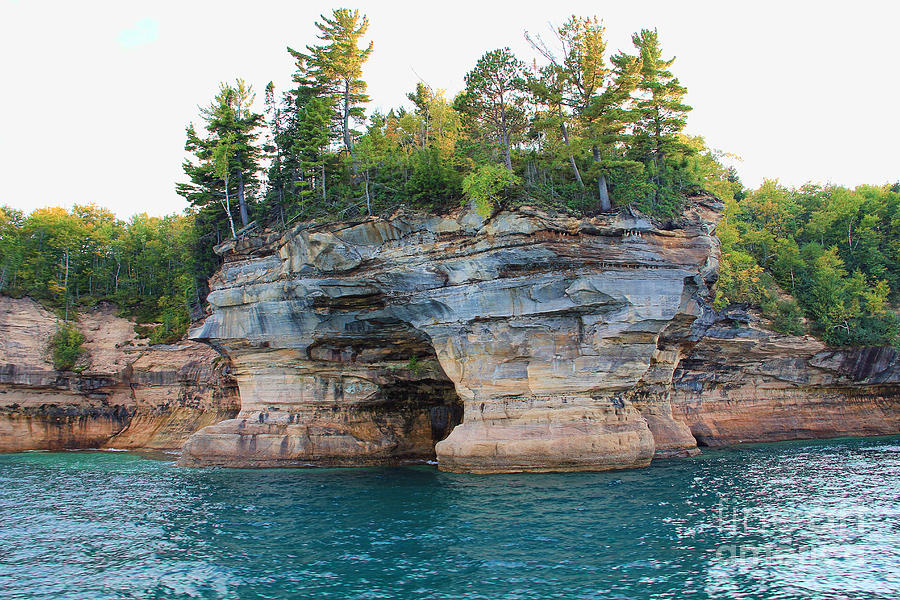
(349, 340)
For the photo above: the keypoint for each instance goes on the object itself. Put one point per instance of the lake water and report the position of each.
(795, 520)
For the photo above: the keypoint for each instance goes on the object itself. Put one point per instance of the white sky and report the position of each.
(95, 95)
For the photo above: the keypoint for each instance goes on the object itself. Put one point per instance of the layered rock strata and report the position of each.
(742, 383)
(126, 395)
(523, 342)
(347, 340)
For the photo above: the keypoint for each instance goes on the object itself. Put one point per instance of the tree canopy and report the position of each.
(581, 129)
(156, 269)
(826, 253)
(334, 69)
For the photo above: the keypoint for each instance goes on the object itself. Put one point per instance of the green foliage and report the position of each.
(484, 186)
(584, 131)
(432, 182)
(832, 248)
(174, 319)
(155, 269)
(493, 102)
(413, 364)
(740, 281)
(227, 156)
(334, 69)
(787, 317)
(65, 346)
(660, 112)
(587, 96)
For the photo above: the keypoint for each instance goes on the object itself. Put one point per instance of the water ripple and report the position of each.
(797, 520)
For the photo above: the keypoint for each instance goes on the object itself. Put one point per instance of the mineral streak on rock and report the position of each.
(126, 395)
(558, 336)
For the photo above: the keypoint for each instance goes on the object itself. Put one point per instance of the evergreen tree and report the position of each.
(660, 111)
(273, 149)
(204, 187)
(228, 122)
(583, 90)
(229, 117)
(299, 153)
(548, 87)
(494, 101)
(222, 154)
(334, 69)
(310, 144)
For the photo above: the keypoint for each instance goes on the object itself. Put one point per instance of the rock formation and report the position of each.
(555, 343)
(522, 342)
(356, 343)
(743, 382)
(126, 395)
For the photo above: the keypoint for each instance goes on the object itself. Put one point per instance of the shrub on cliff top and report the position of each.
(65, 346)
(485, 185)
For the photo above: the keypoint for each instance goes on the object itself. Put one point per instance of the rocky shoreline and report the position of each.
(571, 344)
(128, 395)
(522, 342)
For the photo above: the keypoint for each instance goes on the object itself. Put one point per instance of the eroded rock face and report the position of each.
(543, 328)
(745, 383)
(128, 395)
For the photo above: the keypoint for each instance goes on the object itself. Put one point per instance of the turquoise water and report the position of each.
(798, 520)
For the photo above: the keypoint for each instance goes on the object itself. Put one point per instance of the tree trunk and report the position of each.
(602, 188)
(368, 200)
(347, 117)
(228, 210)
(504, 138)
(565, 134)
(656, 167)
(243, 204)
(66, 287)
(324, 199)
(605, 204)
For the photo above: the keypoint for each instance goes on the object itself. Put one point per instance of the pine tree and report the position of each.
(548, 86)
(494, 101)
(660, 110)
(584, 91)
(273, 149)
(222, 154)
(205, 187)
(228, 121)
(310, 143)
(334, 69)
(229, 116)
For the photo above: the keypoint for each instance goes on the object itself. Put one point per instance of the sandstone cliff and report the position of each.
(535, 328)
(128, 395)
(524, 342)
(743, 382)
